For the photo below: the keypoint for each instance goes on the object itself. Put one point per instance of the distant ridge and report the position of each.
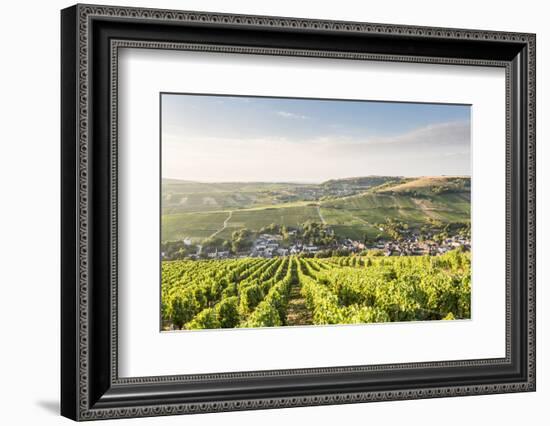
(353, 207)
(347, 180)
(429, 184)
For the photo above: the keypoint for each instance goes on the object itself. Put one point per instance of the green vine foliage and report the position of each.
(254, 292)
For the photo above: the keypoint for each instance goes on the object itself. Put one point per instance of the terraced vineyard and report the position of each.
(351, 207)
(288, 291)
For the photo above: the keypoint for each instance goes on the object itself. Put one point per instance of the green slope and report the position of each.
(415, 202)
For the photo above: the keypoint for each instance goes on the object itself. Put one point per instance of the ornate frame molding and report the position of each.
(82, 17)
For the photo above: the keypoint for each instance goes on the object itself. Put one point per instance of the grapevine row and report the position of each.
(254, 292)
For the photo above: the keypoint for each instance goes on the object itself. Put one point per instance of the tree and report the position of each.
(240, 240)
(395, 229)
(316, 233)
(173, 250)
(284, 233)
(215, 243)
(272, 228)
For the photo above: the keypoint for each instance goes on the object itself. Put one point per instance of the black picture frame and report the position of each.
(90, 386)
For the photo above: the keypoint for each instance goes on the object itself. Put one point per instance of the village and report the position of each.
(272, 245)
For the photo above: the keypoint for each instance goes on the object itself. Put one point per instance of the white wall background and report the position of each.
(29, 225)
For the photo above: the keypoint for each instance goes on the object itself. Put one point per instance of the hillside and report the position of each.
(415, 202)
(429, 185)
(353, 207)
(181, 196)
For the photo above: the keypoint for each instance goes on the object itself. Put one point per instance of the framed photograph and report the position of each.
(263, 212)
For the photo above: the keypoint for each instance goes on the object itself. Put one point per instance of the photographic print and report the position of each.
(262, 183)
(280, 212)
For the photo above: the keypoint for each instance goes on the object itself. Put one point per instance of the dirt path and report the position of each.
(225, 222)
(429, 211)
(297, 313)
(360, 219)
(323, 221)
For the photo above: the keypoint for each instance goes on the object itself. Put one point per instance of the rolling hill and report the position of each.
(179, 196)
(353, 207)
(413, 201)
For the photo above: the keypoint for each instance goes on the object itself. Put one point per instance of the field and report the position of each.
(196, 226)
(288, 215)
(179, 196)
(292, 291)
(358, 215)
(353, 208)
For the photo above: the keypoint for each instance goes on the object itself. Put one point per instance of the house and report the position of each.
(269, 237)
(357, 245)
(418, 250)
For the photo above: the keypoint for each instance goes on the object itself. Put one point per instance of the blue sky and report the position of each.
(226, 138)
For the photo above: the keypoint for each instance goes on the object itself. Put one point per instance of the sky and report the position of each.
(211, 138)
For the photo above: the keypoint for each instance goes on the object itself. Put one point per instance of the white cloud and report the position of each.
(452, 133)
(431, 150)
(292, 115)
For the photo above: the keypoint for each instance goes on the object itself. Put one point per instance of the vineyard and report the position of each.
(288, 291)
